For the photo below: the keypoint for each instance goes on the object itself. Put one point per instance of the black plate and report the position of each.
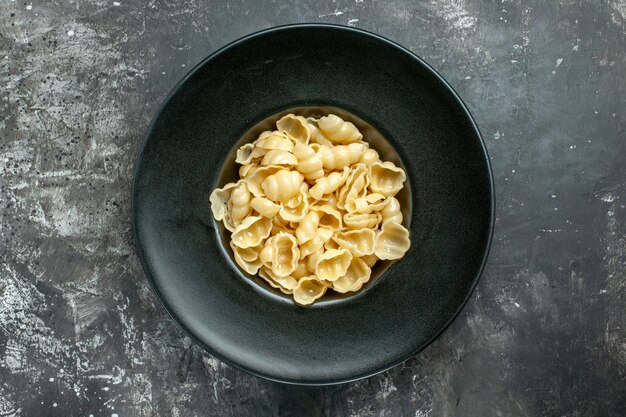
(383, 84)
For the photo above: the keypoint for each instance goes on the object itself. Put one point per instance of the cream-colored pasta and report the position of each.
(285, 254)
(338, 130)
(252, 231)
(356, 221)
(308, 290)
(314, 208)
(333, 264)
(341, 156)
(296, 127)
(386, 178)
(329, 184)
(391, 212)
(282, 185)
(248, 259)
(264, 206)
(357, 274)
(276, 157)
(392, 241)
(360, 242)
(308, 163)
(371, 202)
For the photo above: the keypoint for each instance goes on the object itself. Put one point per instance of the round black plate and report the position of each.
(394, 91)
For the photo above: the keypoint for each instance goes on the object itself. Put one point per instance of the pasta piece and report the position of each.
(267, 252)
(248, 259)
(358, 273)
(296, 127)
(338, 130)
(256, 177)
(328, 200)
(333, 264)
(297, 206)
(301, 270)
(367, 204)
(264, 206)
(369, 157)
(311, 260)
(244, 154)
(330, 217)
(244, 170)
(360, 242)
(309, 164)
(308, 227)
(318, 137)
(331, 244)
(341, 156)
(219, 199)
(285, 254)
(251, 232)
(370, 260)
(239, 203)
(282, 185)
(386, 178)
(308, 290)
(284, 284)
(280, 225)
(312, 245)
(355, 186)
(357, 221)
(275, 140)
(276, 157)
(392, 241)
(329, 184)
(391, 212)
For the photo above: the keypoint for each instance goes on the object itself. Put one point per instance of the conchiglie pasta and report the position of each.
(314, 208)
(392, 241)
(338, 130)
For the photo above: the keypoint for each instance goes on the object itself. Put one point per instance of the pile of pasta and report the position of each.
(314, 208)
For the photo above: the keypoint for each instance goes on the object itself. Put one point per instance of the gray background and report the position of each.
(543, 335)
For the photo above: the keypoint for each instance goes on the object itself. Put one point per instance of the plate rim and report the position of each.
(138, 244)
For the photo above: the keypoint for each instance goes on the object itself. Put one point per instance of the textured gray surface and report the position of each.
(543, 335)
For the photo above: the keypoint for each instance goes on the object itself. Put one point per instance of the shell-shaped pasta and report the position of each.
(308, 227)
(244, 170)
(391, 212)
(239, 203)
(330, 217)
(280, 225)
(369, 157)
(370, 260)
(357, 221)
(296, 127)
(297, 206)
(219, 200)
(369, 203)
(256, 177)
(308, 290)
(248, 259)
(284, 284)
(355, 186)
(329, 200)
(265, 255)
(333, 264)
(251, 232)
(301, 270)
(277, 157)
(275, 140)
(285, 254)
(338, 130)
(386, 178)
(264, 206)
(329, 183)
(282, 185)
(331, 244)
(311, 260)
(360, 242)
(309, 164)
(244, 154)
(341, 156)
(317, 136)
(358, 273)
(312, 245)
(392, 241)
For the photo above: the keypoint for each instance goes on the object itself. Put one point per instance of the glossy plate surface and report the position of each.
(383, 84)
